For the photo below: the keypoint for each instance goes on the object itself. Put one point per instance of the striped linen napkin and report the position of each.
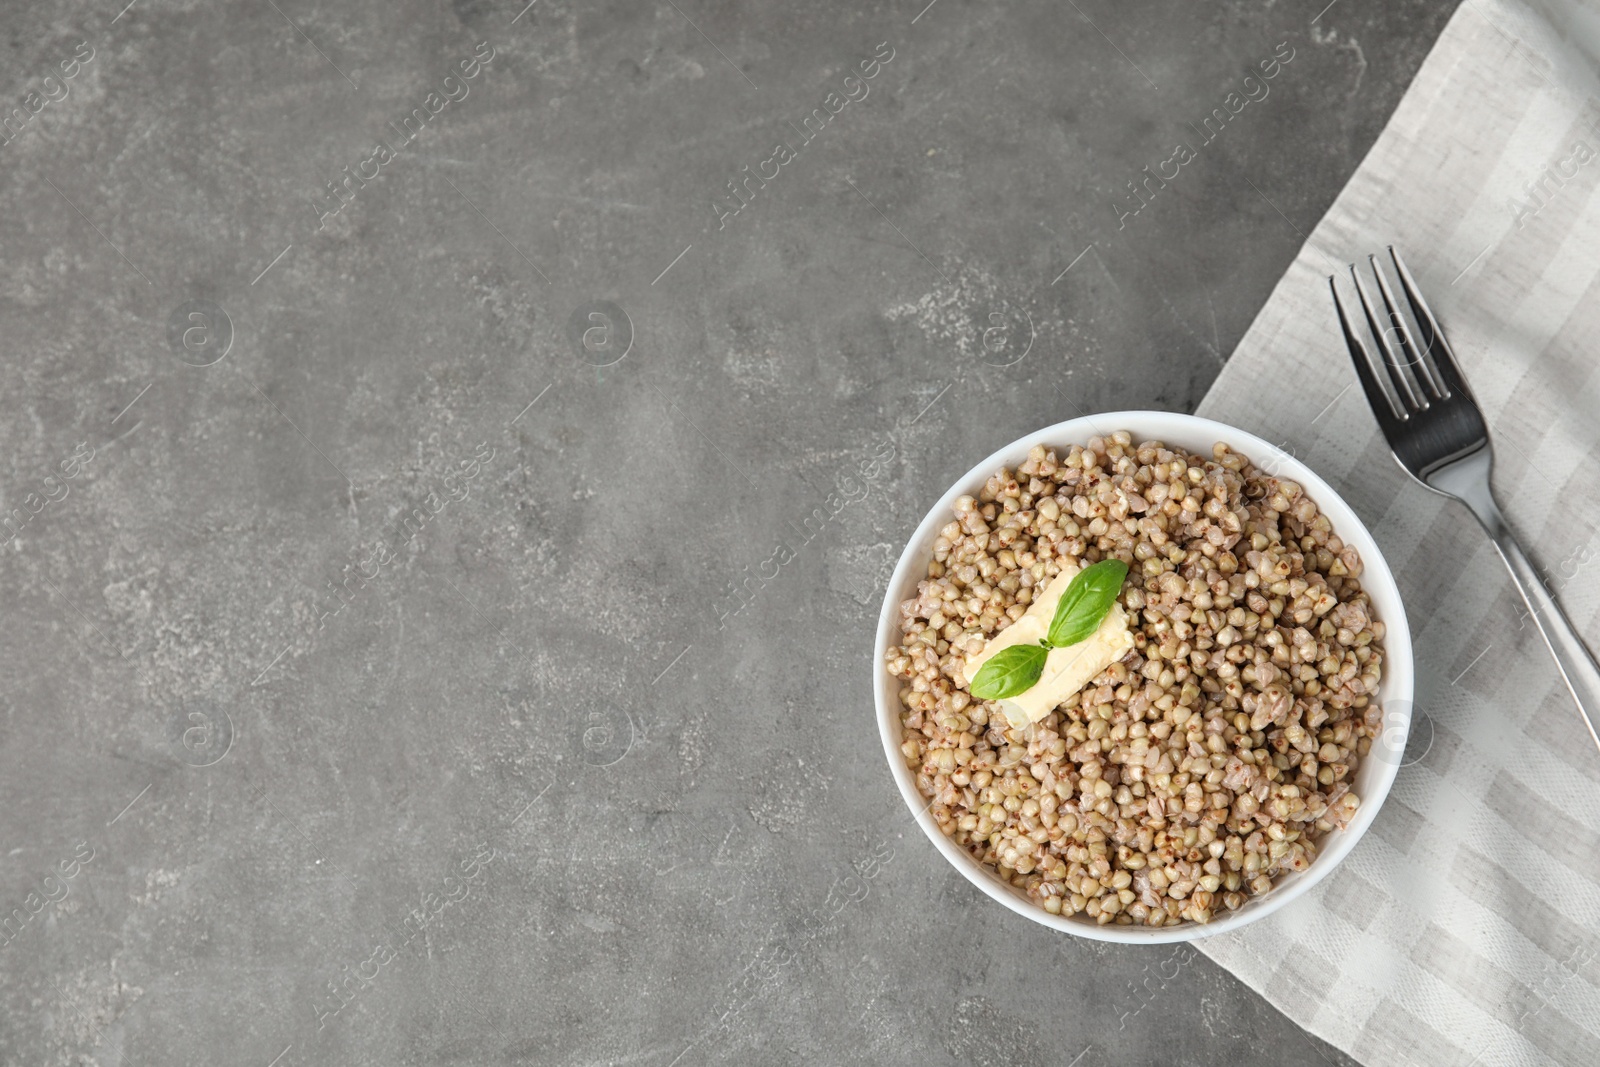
(1465, 928)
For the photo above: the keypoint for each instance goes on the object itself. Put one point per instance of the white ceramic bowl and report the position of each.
(1373, 776)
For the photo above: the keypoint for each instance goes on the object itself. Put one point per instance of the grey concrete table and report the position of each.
(397, 667)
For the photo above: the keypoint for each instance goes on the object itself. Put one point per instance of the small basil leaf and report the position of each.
(1009, 672)
(1088, 599)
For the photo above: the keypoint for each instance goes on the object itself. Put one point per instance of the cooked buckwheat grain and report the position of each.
(1211, 758)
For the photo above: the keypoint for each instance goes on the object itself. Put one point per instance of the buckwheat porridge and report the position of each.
(1210, 758)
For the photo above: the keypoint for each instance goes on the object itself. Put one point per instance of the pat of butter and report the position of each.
(1066, 670)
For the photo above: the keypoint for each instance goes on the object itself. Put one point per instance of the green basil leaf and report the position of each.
(1088, 599)
(1009, 672)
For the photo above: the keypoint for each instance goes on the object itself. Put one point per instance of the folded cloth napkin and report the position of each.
(1465, 928)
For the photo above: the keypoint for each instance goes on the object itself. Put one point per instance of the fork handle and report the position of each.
(1573, 659)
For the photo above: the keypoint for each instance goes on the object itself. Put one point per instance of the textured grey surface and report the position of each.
(682, 843)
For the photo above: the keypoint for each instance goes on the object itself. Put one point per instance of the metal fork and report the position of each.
(1437, 434)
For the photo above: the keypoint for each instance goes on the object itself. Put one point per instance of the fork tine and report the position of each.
(1415, 356)
(1383, 406)
(1409, 401)
(1440, 358)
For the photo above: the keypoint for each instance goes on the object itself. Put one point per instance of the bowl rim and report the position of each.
(1396, 691)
